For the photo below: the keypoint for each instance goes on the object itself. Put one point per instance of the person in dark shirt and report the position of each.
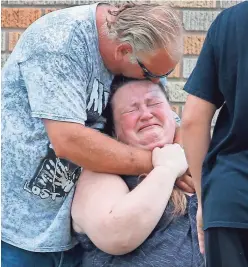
(220, 166)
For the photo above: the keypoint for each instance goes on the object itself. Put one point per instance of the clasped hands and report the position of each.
(173, 157)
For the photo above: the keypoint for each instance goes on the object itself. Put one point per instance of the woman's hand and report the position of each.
(171, 157)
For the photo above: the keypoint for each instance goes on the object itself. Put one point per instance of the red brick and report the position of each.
(176, 72)
(19, 17)
(13, 38)
(193, 44)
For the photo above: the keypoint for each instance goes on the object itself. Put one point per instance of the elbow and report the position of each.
(59, 151)
(117, 239)
(188, 119)
(117, 247)
(187, 124)
(188, 129)
(122, 245)
(61, 145)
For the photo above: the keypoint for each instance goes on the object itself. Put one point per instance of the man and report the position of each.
(55, 87)
(219, 80)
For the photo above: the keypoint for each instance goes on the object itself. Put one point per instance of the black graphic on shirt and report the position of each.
(96, 103)
(54, 178)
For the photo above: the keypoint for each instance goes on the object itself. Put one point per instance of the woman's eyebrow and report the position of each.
(133, 103)
(152, 95)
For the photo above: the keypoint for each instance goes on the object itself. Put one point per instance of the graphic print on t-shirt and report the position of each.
(96, 102)
(54, 177)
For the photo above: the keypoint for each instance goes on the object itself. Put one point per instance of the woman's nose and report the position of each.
(146, 114)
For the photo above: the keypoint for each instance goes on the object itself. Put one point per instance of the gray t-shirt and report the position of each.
(172, 243)
(55, 72)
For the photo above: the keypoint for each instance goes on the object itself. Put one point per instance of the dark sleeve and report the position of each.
(203, 81)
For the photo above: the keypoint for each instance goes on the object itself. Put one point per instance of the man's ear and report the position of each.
(122, 51)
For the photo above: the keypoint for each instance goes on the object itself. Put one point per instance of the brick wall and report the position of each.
(196, 16)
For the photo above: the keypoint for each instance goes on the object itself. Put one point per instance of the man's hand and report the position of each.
(200, 231)
(185, 183)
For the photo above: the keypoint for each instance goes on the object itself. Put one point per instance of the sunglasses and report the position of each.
(148, 74)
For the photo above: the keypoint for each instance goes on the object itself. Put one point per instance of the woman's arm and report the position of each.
(118, 221)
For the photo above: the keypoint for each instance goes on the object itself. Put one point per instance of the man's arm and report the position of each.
(196, 127)
(95, 151)
(185, 181)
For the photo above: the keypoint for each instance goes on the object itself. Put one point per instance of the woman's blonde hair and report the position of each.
(147, 26)
(179, 201)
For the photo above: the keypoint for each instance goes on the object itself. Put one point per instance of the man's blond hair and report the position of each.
(147, 27)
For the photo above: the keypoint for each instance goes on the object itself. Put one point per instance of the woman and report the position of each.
(138, 221)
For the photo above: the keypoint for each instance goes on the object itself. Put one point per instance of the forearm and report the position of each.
(134, 217)
(100, 153)
(195, 132)
(196, 139)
